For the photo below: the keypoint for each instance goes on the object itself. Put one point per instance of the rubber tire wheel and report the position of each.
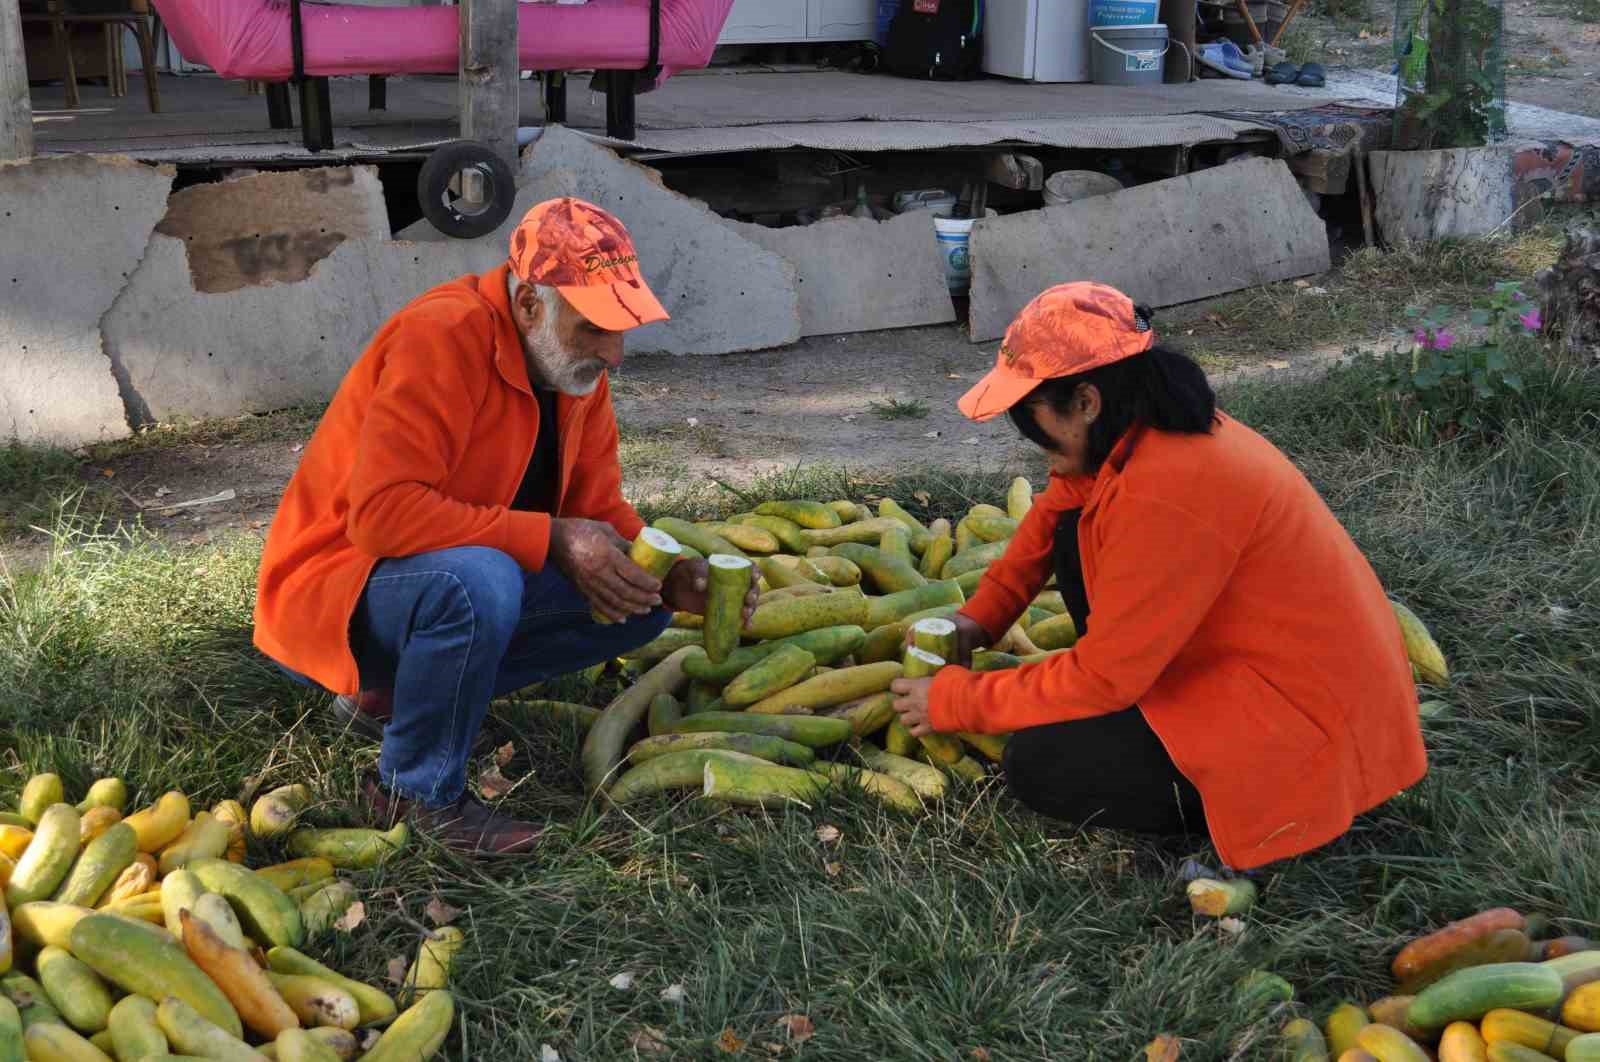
(433, 185)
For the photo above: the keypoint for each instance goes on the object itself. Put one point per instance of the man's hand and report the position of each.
(594, 557)
(970, 637)
(912, 704)
(685, 590)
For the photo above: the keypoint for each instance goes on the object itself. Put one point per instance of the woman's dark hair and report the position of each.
(1161, 388)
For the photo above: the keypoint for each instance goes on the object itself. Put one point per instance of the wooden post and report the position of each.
(490, 83)
(1179, 15)
(16, 110)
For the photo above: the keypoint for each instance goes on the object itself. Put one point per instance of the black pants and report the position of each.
(1108, 771)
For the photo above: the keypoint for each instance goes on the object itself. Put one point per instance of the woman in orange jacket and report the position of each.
(1238, 666)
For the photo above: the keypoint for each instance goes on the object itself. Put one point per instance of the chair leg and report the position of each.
(377, 93)
(69, 70)
(147, 56)
(555, 97)
(122, 64)
(279, 113)
(622, 104)
(111, 62)
(316, 114)
(158, 32)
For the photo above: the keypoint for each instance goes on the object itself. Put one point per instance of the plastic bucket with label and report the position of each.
(954, 236)
(1128, 55)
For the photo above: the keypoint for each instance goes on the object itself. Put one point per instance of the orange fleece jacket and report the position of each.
(1230, 605)
(422, 449)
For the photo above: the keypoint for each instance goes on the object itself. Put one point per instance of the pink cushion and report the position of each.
(250, 38)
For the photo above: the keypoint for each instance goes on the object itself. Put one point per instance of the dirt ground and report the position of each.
(1552, 57)
(684, 422)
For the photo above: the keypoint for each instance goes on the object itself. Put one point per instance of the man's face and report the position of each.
(565, 352)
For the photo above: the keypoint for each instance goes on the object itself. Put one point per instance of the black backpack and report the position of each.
(938, 40)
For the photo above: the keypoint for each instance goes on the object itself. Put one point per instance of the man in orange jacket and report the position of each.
(458, 514)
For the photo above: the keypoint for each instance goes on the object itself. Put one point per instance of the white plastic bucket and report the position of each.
(1069, 186)
(954, 236)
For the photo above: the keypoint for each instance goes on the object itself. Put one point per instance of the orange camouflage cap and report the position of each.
(586, 254)
(1069, 329)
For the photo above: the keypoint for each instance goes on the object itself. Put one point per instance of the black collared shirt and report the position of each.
(538, 491)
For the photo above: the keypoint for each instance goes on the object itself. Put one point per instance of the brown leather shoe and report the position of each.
(465, 826)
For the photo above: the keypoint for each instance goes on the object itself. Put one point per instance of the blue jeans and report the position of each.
(449, 631)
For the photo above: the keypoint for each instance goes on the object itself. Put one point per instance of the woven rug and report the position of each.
(1332, 127)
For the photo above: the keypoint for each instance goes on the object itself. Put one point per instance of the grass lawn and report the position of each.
(976, 931)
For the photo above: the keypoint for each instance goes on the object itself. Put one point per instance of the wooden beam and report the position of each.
(490, 83)
(1324, 172)
(16, 109)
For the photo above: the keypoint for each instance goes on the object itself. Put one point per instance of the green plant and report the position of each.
(1451, 75)
(897, 409)
(1449, 384)
(1301, 45)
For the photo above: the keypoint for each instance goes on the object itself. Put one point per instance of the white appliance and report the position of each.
(1037, 40)
(799, 21)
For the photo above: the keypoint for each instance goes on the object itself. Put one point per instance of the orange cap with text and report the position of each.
(1067, 330)
(586, 254)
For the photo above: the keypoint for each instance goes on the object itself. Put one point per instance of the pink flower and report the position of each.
(1423, 339)
(1444, 339)
(1532, 320)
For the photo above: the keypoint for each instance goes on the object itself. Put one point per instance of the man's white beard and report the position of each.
(558, 368)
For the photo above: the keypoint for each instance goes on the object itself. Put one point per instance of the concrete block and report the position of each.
(187, 353)
(1231, 227)
(273, 227)
(856, 275)
(725, 293)
(72, 229)
(1433, 195)
(399, 270)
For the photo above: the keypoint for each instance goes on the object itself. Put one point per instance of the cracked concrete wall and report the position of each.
(725, 292)
(856, 275)
(1436, 195)
(93, 295)
(1235, 226)
(273, 227)
(196, 354)
(193, 354)
(72, 230)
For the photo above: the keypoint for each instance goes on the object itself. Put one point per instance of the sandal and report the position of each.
(1311, 76)
(1214, 57)
(1282, 74)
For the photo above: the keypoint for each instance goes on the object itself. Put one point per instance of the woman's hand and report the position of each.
(912, 704)
(684, 590)
(970, 637)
